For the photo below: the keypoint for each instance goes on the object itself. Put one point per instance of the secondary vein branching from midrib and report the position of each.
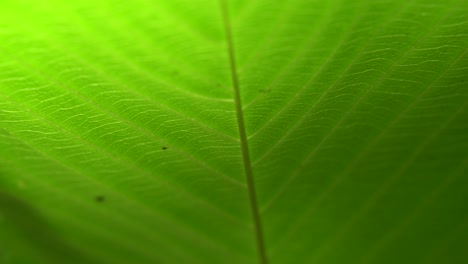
(243, 136)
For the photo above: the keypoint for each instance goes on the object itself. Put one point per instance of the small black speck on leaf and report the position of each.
(99, 198)
(164, 148)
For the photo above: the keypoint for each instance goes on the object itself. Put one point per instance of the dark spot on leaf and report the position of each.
(164, 148)
(99, 198)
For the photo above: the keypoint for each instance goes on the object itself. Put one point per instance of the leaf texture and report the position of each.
(120, 139)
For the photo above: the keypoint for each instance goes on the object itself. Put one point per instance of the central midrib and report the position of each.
(243, 138)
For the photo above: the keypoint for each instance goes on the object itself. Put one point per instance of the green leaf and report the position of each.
(233, 131)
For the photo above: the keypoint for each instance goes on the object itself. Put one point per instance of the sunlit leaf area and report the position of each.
(233, 132)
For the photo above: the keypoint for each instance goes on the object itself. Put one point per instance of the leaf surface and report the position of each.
(205, 131)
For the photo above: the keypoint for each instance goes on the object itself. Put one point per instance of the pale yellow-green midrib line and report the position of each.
(197, 236)
(137, 92)
(142, 71)
(147, 75)
(142, 130)
(358, 101)
(259, 239)
(147, 174)
(87, 30)
(109, 214)
(154, 103)
(144, 43)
